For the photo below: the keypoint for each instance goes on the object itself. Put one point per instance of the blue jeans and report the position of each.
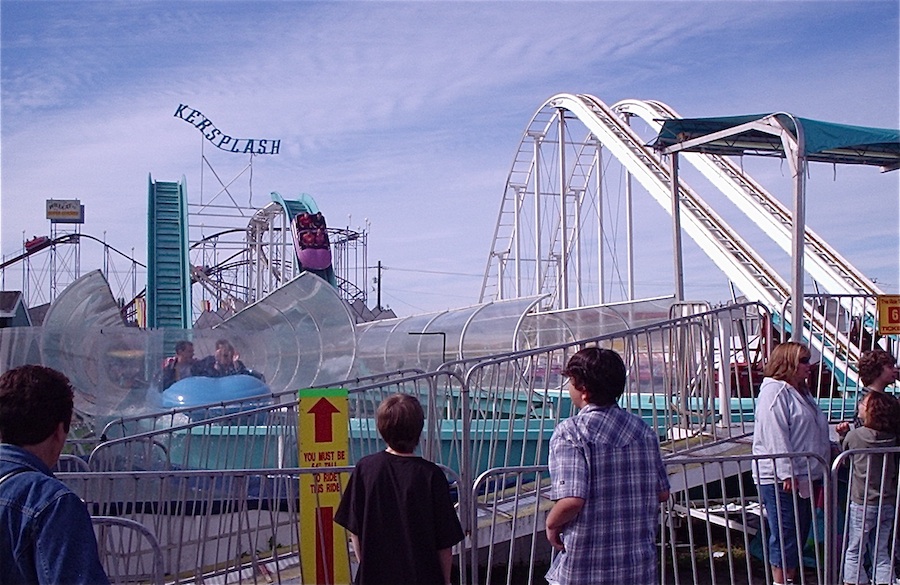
(869, 529)
(785, 524)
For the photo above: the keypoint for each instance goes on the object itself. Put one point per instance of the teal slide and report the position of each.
(304, 207)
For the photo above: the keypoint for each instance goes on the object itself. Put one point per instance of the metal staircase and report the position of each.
(168, 267)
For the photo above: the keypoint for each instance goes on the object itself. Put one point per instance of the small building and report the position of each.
(13, 312)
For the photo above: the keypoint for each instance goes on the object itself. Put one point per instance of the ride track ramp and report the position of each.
(717, 240)
(826, 266)
(744, 264)
(731, 254)
(822, 262)
(168, 267)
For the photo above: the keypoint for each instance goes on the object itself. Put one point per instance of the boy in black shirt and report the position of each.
(397, 506)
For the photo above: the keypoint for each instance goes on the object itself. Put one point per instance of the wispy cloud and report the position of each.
(405, 114)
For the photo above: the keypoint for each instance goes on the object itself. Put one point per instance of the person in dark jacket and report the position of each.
(222, 363)
(180, 366)
(45, 527)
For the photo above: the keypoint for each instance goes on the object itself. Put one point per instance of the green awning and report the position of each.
(825, 141)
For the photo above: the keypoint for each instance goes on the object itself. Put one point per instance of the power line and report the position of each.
(383, 267)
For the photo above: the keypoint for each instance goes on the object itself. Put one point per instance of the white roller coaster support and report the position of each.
(737, 260)
(731, 254)
(821, 261)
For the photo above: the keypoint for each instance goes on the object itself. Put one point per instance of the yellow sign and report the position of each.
(65, 211)
(323, 442)
(889, 314)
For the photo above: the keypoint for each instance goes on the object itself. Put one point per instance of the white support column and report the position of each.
(724, 369)
(676, 230)
(536, 179)
(270, 232)
(629, 226)
(576, 247)
(598, 173)
(519, 191)
(797, 154)
(563, 280)
(501, 272)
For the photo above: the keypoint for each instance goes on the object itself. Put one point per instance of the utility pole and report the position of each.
(378, 287)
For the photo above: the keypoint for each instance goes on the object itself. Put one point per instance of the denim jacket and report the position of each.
(45, 528)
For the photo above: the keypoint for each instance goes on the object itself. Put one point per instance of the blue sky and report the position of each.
(408, 115)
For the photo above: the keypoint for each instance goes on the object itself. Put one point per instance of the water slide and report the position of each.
(827, 267)
(822, 262)
(168, 265)
(731, 254)
(292, 209)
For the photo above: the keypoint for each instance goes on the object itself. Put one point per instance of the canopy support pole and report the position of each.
(795, 151)
(676, 231)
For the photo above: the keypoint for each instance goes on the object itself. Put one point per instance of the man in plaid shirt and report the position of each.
(607, 479)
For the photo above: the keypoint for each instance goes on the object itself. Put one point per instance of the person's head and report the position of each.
(400, 420)
(224, 352)
(184, 351)
(880, 411)
(789, 362)
(877, 367)
(599, 373)
(34, 400)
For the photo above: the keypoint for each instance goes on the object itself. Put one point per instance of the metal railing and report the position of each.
(128, 551)
(246, 524)
(190, 526)
(488, 421)
(266, 436)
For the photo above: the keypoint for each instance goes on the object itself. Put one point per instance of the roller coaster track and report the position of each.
(730, 253)
(64, 239)
(737, 260)
(823, 263)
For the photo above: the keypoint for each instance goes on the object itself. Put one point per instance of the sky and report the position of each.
(405, 117)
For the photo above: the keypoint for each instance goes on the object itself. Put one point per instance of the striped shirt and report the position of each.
(611, 459)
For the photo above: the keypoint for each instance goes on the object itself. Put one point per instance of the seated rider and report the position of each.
(179, 367)
(223, 363)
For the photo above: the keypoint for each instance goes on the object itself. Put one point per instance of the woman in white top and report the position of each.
(788, 421)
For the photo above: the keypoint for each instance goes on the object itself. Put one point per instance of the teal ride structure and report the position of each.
(170, 279)
(168, 265)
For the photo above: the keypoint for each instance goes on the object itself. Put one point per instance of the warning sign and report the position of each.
(323, 442)
(889, 314)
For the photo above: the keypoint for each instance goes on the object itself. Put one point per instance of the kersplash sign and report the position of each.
(223, 141)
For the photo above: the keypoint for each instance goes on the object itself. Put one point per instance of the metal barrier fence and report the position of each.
(691, 378)
(128, 551)
(713, 529)
(245, 525)
(843, 327)
(710, 529)
(212, 526)
(266, 436)
(131, 425)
